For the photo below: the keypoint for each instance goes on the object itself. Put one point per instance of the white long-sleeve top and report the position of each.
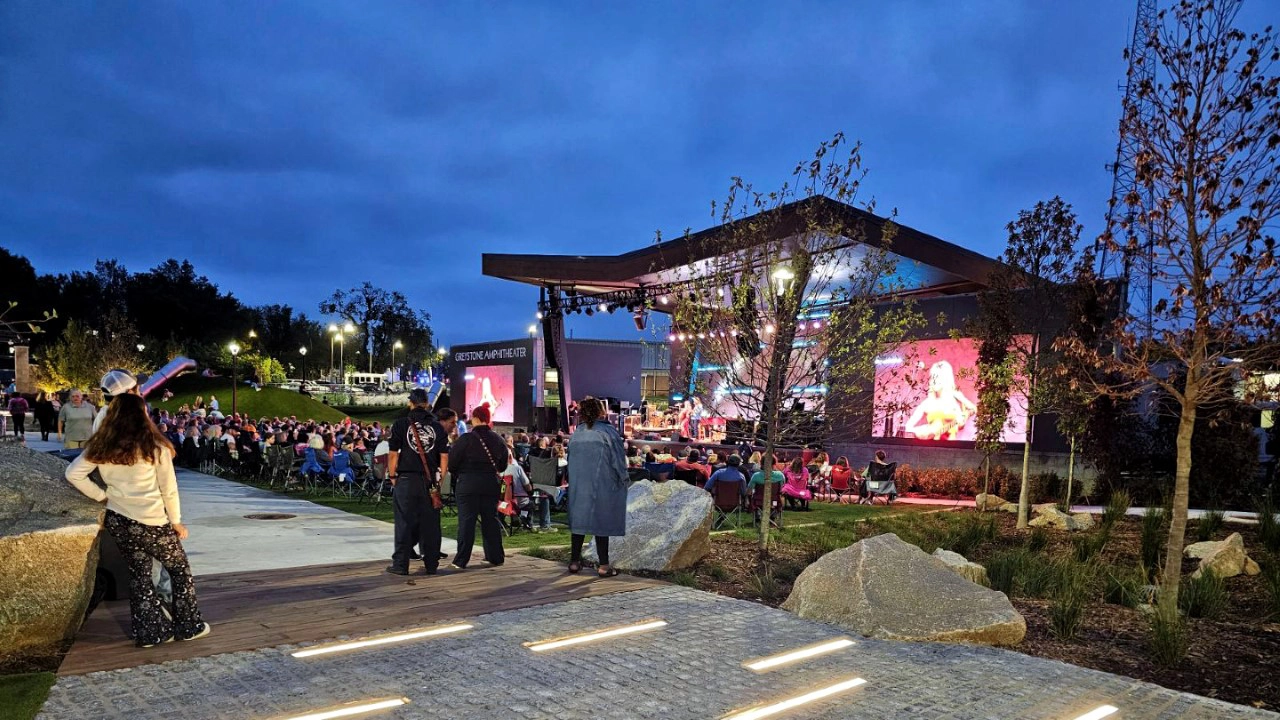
(146, 492)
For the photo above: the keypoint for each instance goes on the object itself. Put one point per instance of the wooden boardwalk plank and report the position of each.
(254, 610)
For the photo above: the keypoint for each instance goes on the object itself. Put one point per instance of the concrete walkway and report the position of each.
(223, 540)
(691, 668)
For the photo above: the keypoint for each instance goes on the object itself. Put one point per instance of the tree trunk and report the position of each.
(986, 481)
(1024, 497)
(766, 467)
(1172, 574)
(1071, 471)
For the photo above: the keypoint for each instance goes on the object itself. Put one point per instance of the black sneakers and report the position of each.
(397, 571)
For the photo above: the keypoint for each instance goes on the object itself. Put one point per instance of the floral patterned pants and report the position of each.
(153, 623)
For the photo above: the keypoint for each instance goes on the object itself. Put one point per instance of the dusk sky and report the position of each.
(291, 148)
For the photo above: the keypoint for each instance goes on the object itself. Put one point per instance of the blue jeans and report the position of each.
(544, 508)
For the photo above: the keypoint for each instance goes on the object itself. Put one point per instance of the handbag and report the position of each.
(437, 502)
(507, 505)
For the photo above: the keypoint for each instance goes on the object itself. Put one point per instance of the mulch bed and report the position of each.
(1236, 659)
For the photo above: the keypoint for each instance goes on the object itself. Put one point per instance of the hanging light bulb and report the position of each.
(768, 328)
(671, 338)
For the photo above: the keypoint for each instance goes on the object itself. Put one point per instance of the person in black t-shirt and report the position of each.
(477, 460)
(417, 521)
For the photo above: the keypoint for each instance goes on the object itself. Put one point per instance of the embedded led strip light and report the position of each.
(384, 640)
(1099, 713)
(545, 645)
(351, 710)
(803, 653)
(797, 701)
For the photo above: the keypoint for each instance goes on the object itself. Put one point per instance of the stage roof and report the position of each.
(927, 266)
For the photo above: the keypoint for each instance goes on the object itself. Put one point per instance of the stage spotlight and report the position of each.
(663, 300)
(604, 308)
(612, 307)
(641, 318)
(671, 338)
(591, 310)
(538, 314)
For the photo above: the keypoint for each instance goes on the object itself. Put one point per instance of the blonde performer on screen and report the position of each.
(944, 411)
(486, 394)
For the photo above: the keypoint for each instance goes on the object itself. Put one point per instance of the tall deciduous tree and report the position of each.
(383, 317)
(1026, 295)
(1202, 221)
(789, 302)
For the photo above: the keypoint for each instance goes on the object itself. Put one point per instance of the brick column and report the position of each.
(23, 376)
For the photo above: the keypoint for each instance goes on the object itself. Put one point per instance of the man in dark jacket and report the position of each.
(414, 439)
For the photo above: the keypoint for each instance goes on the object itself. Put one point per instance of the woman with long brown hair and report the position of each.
(144, 516)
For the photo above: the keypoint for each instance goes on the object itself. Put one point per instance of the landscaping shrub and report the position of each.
(1209, 524)
(1268, 527)
(1071, 587)
(763, 584)
(1204, 597)
(685, 578)
(1117, 508)
(970, 534)
(1039, 540)
(718, 572)
(1089, 546)
(1125, 587)
(1271, 581)
(1020, 573)
(1168, 639)
(1153, 537)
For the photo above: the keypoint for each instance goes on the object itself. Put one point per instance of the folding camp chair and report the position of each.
(840, 481)
(775, 504)
(880, 483)
(659, 472)
(727, 499)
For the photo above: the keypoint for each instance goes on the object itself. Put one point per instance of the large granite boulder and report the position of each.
(668, 528)
(991, 502)
(48, 556)
(962, 566)
(1049, 516)
(885, 588)
(1226, 558)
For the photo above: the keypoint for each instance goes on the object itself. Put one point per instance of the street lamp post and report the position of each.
(394, 347)
(342, 358)
(347, 328)
(235, 350)
(303, 351)
(333, 329)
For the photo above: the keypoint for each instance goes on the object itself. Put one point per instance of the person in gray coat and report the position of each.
(597, 486)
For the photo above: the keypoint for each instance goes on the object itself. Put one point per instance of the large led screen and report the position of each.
(493, 384)
(926, 391)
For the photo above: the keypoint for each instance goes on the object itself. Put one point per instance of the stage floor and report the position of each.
(261, 609)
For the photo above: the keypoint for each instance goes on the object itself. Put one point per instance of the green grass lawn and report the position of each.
(268, 402)
(448, 524)
(22, 695)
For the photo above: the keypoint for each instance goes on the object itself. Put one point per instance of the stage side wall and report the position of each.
(605, 370)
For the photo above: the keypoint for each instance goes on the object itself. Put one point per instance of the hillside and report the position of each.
(269, 402)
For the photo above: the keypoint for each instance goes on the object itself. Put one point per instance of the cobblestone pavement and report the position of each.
(690, 669)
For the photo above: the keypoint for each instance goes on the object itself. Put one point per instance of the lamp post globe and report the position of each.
(234, 349)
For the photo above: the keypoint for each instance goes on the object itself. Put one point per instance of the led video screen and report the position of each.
(927, 391)
(495, 385)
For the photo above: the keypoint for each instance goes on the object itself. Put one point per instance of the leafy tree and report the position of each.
(788, 301)
(1201, 222)
(993, 329)
(1027, 293)
(83, 354)
(382, 317)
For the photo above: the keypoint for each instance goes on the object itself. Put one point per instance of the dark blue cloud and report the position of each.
(289, 148)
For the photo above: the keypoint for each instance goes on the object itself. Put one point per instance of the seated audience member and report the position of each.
(690, 463)
(796, 490)
(522, 492)
(731, 472)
